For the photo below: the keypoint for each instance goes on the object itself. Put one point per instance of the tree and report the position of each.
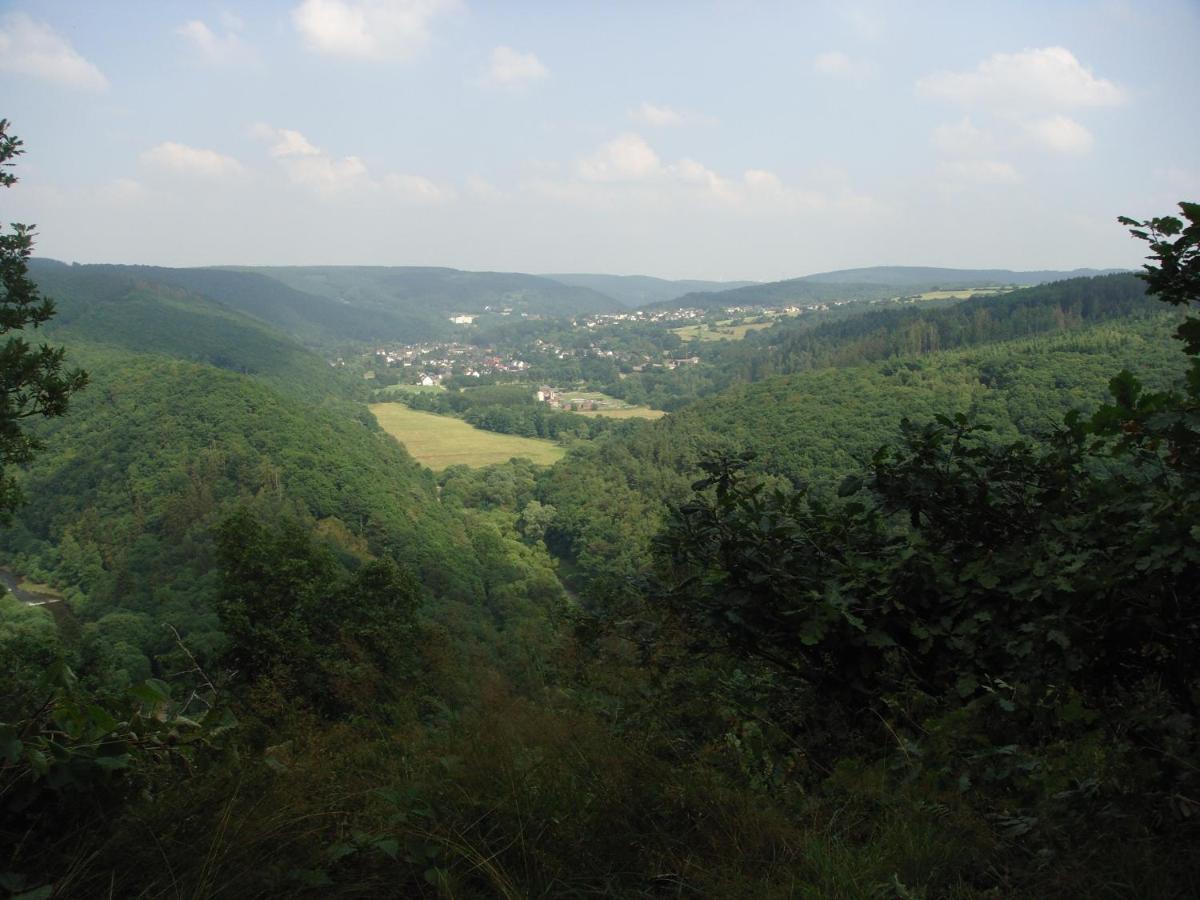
(32, 381)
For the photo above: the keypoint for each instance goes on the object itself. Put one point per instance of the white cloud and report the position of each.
(625, 158)
(286, 141)
(511, 68)
(368, 29)
(310, 167)
(416, 187)
(28, 47)
(217, 49)
(658, 116)
(1060, 134)
(962, 138)
(1046, 77)
(627, 168)
(121, 191)
(981, 171)
(193, 161)
(836, 64)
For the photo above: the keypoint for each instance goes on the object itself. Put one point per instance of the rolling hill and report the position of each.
(875, 283)
(642, 290)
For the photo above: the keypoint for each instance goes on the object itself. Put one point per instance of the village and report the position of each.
(602, 337)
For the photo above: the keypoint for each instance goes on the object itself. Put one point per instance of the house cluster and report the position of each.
(598, 320)
(555, 400)
(437, 361)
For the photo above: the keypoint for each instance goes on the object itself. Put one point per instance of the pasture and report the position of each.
(393, 389)
(442, 441)
(625, 412)
(718, 332)
(964, 293)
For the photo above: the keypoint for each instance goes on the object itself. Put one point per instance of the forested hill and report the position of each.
(643, 290)
(153, 310)
(948, 279)
(796, 345)
(874, 283)
(335, 305)
(816, 425)
(415, 303)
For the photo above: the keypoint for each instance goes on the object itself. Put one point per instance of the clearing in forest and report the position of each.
(443, 441)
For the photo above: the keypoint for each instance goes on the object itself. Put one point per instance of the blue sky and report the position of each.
(706, 140)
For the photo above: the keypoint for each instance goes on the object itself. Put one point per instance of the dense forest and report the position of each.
(900, 604)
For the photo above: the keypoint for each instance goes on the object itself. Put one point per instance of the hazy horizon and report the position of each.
(726, 141)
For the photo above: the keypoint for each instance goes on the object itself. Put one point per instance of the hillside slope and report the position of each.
(642, 290)
(415, 303)
(148, 310)
(874, 283)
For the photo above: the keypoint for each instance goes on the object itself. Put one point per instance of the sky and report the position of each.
(718, 140)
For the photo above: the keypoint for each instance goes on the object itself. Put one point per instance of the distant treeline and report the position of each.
(510, 409)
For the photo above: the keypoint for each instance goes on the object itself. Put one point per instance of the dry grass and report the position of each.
(630, 412)
(442, 441)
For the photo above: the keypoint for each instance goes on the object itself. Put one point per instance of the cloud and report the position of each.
(510, 68)
(981, 171)
(625, 158)
(836, 64)
(1060, 134)
(368, 29)
(665, 117)
(33, 48)
(962, 138)
(306, 165)
(287, 141)
(192, 161)
(627, 168)
(213, 48)
(1046, 77)
(416, 187)
(658, 116)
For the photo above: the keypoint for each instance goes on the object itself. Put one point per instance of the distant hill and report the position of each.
(332, 305)
(874, 283)
(415, 303)
(148, 310)
(949, 278)
(642, 290)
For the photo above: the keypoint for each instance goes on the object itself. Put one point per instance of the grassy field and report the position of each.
(616, 409)
(392, 389)
(718, 332)
(442, 441)
(628, 412)
(963, 294)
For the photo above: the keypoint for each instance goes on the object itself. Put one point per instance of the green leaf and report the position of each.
(10, 744)
(850, 486)
(151, 691)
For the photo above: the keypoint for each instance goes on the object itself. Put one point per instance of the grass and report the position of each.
(442, 441)
(718, 332)
(393, 389)
(37, 587)
(629, 412)
(613, 408)
(961, 295)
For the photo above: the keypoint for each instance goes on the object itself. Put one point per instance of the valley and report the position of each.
(373, 527)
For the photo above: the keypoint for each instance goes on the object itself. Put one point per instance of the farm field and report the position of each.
(393, 389)
(629, 412)
(963, 294)
(442, 441)
(718, 332)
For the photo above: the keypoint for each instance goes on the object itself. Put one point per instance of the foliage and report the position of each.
(1009, 606)
(33, 382)
(293, 614)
